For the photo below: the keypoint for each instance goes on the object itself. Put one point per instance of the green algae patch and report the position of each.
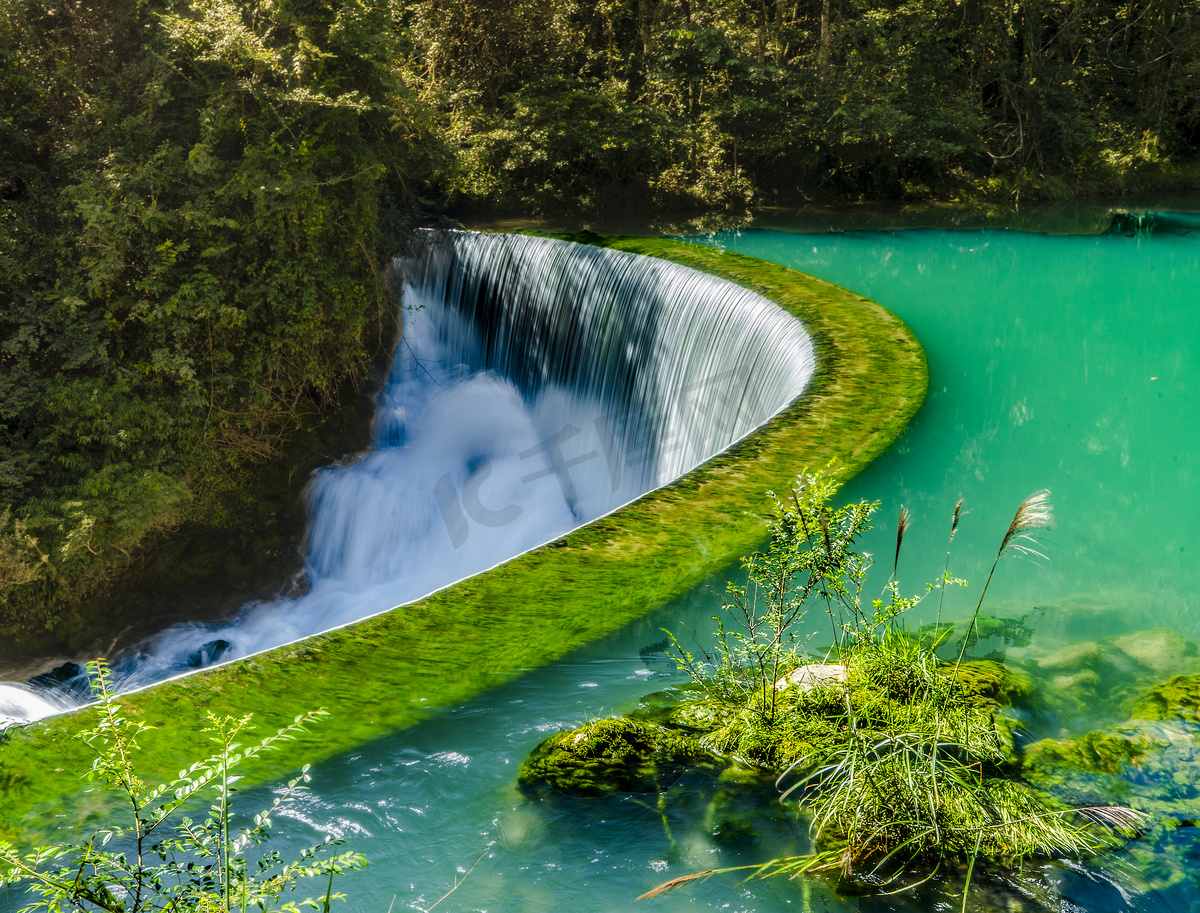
(612, 755)
(989, 681)
(1178, 698)
(1098, 751)
(390, 671)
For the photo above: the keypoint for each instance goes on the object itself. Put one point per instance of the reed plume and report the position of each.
(678, 882)
(1116, 816)
(1035, 512)
(937, 625)
(901, 529)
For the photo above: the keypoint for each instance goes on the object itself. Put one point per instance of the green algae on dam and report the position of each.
(393, 669)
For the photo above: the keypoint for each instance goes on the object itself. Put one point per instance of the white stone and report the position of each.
(808, 677)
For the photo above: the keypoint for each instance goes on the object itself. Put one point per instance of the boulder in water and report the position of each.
(210, 653)
(69, 677)
(1177, 698)
(1160, 649)
(612, 755)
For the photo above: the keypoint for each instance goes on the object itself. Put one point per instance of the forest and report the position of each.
(199, 199)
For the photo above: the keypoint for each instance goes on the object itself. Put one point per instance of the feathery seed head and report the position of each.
(1035, 512)
(901, 529)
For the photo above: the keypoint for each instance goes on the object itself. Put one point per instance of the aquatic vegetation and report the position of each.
(612, 755)
(901, 760)
(1178, 698)
(163, 859)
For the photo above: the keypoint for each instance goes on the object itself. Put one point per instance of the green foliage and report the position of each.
(898, 756)
(198, 200)
(810, 556)
(163, 859)
(728, 102)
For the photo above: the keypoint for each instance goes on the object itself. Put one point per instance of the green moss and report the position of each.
(1178, 698)
(701, 716)
(1098, 751)
(612, 755)
(989, 680)
(392, 670)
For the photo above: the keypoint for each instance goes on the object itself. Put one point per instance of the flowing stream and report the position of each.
(1059, 362)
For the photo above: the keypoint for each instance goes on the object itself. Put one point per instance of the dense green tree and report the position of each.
(725, 101)
(198, 197)
(196, 203)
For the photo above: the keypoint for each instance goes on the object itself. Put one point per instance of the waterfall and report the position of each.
(538, 384)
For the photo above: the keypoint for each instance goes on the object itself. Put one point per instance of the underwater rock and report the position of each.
(995, 682)
(1177, 698)
(701, 716)
(1161, 650)
(1151, 762)
(1071, 658)
(1078, 679)
(612, 755)
(1103, 752)
(744, 800)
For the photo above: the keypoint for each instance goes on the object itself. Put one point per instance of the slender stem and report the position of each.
(975, 615)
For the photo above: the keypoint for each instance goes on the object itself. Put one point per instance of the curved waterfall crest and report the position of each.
(686, 363)
(538, 385)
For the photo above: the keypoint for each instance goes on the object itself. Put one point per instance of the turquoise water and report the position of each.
(1067, 363)
(1060, 362)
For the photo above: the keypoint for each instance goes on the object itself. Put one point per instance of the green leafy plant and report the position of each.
(810, 557)
(166, 857)
(898, 758)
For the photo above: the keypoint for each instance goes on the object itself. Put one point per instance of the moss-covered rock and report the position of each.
(1177, 698)
(1103, 752)
(701, 716)
(1151, 762)
(1160, 650)
(988, 680)
(612, 755)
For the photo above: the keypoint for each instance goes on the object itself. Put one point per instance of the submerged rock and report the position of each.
(701, 716)
(992, 681)
(1151, 762)
(612, 755)
(1160, 650)
(1071, 658)
(1083, 680)
(1178, 698)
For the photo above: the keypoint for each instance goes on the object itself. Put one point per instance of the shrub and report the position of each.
(162, 858)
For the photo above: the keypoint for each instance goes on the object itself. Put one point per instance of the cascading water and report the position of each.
(538, 385)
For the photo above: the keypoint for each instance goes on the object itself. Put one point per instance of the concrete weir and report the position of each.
(391, 669)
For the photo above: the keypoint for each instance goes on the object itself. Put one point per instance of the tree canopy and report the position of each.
(196, 203)
(198, 198)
